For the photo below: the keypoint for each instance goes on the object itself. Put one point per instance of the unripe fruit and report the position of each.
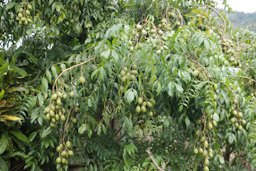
(139, 27)
(58, 160)
(206, 144)
(140, 100)
(64, 153)
(243, 122)
(27, 12)
(205, 153)
(52, 125)
(202, 139)
(235, 112)
(144, 32)
(71, 94)
(57, 117)
(68, 144)
(240, 127)
(29, 6)
(138, 110)
(201, 151)
(70, 152)
(214, 123)
(82, 80)
(54, 96)
(143, 109)
(206, 161)
(150, 113)
(19, 15)
(59, 148)
(149, 104)
(74, 120)
(62, 118)
(122, 73)
(48, 117)
(23, 19)
(240, 114)
(59, 103)
(210, 126)
(196, 151)
(206, 168)
(144, 104)
(63, 160)
(233, 120)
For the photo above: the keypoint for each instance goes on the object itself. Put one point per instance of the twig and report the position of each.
(225, 24)
(154, 161)
(68, 69)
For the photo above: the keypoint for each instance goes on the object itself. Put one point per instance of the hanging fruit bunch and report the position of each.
(24, 13)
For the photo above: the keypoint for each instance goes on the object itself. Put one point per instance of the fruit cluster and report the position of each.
(129, 75)
(65, 151)
(205, 150)
(142, 106)
(24, 15)
(55, 112)
(237, 119)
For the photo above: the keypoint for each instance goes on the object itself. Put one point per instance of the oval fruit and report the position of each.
(82, 80)
(68, 144)
(143, 109)
(138, 110)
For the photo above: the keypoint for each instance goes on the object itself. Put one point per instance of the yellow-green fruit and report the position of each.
(63, 160)
(48, 117)
(52, 125)
(140, 100)
(144, 104)
(58, 160)
(196, 151)
(214, 123)
(210, 126)
(29, 6)
(143, 109)
(82, 80)
(59, 102)
(206, 144)
(71, 94)
(29, 20)
(64, 153)
(122, 73)
(63, 118)
(70, 152)
(240, 127)
(206, 161)
(54, 96)
(139, 27)
(205, 153)
(202, 139)
(243, 122)
(19, 15)
(53, 120)
(240, 114)
(68, 144)
(26, 22)
(235, 112)
(138, 110)
(195, 73)
(27, 12)
(206, 168)
(201, 151)
(74, 120)
(233, 120)
(57, 117)
(23, 19)
(59, 148)
(151, 113)
(149, 104)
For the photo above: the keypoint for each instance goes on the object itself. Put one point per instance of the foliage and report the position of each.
(128, 85)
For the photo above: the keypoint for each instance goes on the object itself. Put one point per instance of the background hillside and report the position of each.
(241, 19)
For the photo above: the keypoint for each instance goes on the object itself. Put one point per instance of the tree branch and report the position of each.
(154, 161)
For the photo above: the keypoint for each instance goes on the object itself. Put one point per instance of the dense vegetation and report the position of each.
(125, 85)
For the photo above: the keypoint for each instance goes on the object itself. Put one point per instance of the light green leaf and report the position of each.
(130, 95)
(105, 54)
(22, 137)
(82, 129)
(3, 142)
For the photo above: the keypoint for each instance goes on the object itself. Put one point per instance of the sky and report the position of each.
(242, 5)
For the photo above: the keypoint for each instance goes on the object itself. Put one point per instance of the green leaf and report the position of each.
(3, 142)
(105, 54)
(187, 121)
(22, 137)
(115, 55)
(45, 132)
(171, 89)
(179, 88)
(32, 136)
(20, 71)
(216, 117)
(82, 129)
(2, 94)
(3, 165)
(130, 95)
(48, 75)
